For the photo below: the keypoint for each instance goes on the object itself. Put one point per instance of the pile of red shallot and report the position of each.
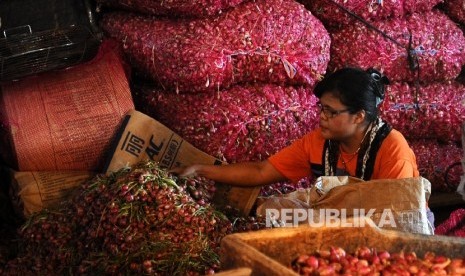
(139, 220)
(368, 261)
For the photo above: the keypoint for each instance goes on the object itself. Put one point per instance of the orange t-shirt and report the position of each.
(395, 159)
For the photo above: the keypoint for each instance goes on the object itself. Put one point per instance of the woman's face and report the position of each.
(336, 122)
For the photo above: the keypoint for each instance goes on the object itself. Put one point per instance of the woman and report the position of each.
(351, 140)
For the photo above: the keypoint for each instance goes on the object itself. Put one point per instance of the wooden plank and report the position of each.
(243, 271)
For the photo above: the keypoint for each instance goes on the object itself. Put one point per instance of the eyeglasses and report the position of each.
(329, 112)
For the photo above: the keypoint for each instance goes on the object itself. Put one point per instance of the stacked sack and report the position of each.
(335, 14)
(422, 52)
(237, 84)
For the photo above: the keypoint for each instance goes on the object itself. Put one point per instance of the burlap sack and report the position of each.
(31, 192)
(398, 204)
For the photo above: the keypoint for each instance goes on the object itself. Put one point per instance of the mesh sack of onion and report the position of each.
(244, 123)
(437, 47)
(332, 14)
(434, 111)
(456, 10)
(173, 8)
(454, 225)
(136, 221)
(273, 41)
(440, 163)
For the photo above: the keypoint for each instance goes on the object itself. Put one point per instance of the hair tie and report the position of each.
(376, 76)
(379, 80)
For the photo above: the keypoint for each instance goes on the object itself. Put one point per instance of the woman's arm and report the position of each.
(245, 174)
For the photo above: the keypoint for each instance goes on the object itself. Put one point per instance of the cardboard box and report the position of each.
(31, 192)
(270, 252)
(144, 138)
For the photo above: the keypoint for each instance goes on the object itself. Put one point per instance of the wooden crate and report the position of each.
(270, 252)
(242, 271)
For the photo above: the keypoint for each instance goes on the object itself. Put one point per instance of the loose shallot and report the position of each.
(369, 261)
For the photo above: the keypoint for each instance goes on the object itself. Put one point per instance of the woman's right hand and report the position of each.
(189, 171)
(237, 174)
